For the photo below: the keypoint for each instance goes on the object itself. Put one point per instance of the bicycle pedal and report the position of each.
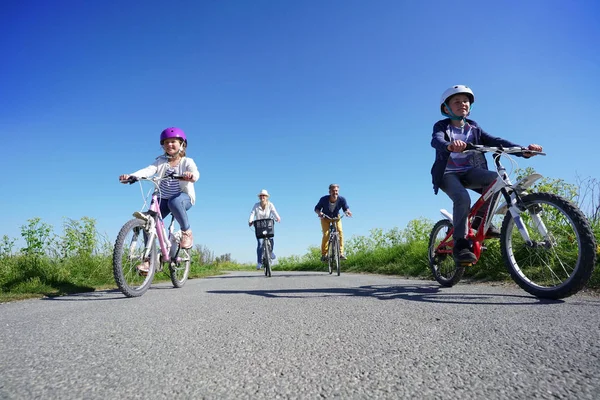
(467, 264)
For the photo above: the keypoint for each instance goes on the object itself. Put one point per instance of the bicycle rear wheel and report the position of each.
(559, 263)
(128, 256)
(180, 270)
(266, 256)
(446, 271)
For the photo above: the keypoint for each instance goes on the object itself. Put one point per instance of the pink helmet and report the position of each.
(172, 133)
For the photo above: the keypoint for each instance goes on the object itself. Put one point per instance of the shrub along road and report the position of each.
(301, 335)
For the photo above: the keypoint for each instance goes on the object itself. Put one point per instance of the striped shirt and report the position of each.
(169, 188)
(460, 162)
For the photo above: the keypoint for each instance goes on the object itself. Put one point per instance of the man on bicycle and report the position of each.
(331, 205)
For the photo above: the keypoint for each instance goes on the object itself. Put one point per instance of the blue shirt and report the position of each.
(323, 205)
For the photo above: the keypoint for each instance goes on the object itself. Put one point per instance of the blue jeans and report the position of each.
(177, 205)
(259, 249)
(455, 185)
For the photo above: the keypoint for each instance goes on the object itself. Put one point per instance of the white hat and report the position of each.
(264, 191)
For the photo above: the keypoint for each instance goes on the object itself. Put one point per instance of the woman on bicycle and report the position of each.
(454, 172)
(175, 196)
(264, 209)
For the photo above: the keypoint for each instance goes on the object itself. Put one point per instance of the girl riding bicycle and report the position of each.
(264, 209)
(454, 172)
(175, 196)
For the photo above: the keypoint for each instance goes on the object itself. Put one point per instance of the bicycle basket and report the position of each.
(264, 228)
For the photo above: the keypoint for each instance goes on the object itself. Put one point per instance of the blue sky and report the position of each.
(287, 96)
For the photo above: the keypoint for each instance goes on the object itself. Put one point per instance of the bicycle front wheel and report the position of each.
(561, 256)
(180, 269)
(267, 257)
(445, 270)
(336, 255)
(330, 256)
(129, 264)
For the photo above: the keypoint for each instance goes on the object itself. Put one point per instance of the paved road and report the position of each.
(302, 335)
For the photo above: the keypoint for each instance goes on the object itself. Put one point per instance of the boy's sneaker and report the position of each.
(187, 239)
(462, 251)
(343, 257)
(324, 258)
(258, 266)
(273, 256)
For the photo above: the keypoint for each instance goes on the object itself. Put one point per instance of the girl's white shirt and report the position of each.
(159, 167)
(259, 213)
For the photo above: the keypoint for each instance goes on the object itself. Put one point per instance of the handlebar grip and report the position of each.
(130, 180)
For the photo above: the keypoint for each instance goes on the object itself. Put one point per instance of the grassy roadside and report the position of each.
(26, 277)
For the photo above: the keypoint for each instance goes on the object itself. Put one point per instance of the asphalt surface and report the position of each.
(302, 335)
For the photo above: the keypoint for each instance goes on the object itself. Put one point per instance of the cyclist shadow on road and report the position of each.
(415, 292)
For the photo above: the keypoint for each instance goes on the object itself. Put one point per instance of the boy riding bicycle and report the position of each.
(455, 172)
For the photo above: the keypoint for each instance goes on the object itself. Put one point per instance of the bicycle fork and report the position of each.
(516, 209)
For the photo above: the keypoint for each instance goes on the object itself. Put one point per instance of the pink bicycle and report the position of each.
(136, 256)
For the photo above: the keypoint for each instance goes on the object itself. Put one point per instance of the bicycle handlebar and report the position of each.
(133, 179)
(507, 150)
(333, 219)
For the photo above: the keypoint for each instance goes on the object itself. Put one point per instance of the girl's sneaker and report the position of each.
(143, 268)
(187, 240)
(258, 266)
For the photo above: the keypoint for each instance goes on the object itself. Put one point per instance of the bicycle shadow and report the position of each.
(103, 295)
(429, 293)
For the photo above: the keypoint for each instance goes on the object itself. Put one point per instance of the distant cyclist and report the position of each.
(331, 205)
(264, 209)
(176, 196)
(453, 171)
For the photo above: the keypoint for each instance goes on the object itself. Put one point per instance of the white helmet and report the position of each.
(456, 89)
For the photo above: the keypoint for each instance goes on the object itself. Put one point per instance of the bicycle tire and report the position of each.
(128, 254)
(549, 270)
(266, 257)
(336, 255)
(330, 255)
(180, 270)
(446, 271)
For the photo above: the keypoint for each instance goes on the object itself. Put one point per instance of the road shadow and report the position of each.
(103, 295)
(421, 292)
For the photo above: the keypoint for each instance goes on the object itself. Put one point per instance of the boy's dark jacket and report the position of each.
(441, 139)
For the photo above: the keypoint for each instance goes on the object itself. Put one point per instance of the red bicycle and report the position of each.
(546, 242)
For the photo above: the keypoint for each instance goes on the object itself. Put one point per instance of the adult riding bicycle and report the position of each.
(136, 256)
(546, 242)
(333, 247)
(265, 230)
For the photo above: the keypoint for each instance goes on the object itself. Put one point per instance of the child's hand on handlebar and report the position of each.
(188, 176)
(533, 147)
(457, 146)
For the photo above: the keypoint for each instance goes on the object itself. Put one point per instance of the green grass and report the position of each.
(23, 277)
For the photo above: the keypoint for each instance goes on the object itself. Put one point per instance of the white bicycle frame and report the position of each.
(504, 186)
